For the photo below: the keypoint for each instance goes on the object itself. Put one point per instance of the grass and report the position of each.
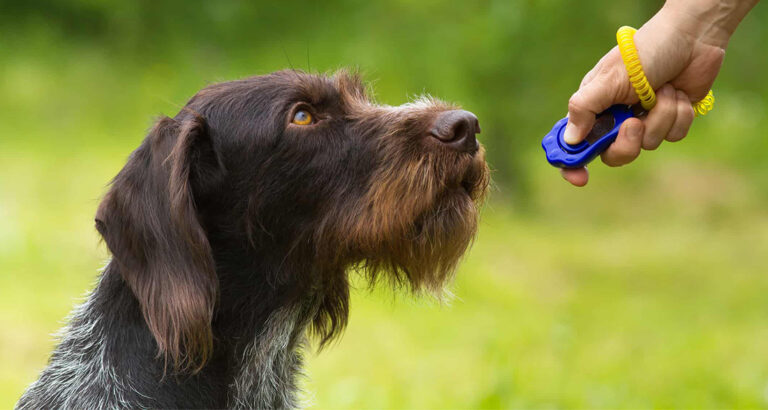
(645, 289)
(653, 297)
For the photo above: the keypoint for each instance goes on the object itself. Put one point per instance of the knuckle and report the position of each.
(619, 82)
(676, 135)
(686, 114)
(611, 160)
(683, 123)
(625, 158)
(607, 160)
(666, 103)
(670, 107)
(650, 144)
(619, 156)
(575, 105)
(617, 77)
(588, 77)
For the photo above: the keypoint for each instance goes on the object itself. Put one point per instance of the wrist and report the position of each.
(709, 21)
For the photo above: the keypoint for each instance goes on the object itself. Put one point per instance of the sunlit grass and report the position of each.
(645, 289)
(654, 311)
(653, 296)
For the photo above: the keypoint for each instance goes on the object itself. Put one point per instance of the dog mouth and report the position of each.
(468, 186)
(474, 178)
(457, 157)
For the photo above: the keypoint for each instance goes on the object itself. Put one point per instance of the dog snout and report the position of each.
(457, 129)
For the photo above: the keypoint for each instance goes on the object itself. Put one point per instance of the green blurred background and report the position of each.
(647, 288)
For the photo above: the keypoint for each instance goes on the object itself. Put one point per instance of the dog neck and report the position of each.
(108, 350)
(269, 297)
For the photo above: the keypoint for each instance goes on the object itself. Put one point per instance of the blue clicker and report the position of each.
(562, 155)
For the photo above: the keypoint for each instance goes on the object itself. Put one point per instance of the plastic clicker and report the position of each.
(563, 155)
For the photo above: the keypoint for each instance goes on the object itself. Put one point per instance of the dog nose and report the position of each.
(457, 129)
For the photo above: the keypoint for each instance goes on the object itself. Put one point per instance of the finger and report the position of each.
(605, 64)
(684, 118)
(661, 118)
(590, 75)
(627, 145)
(576, 176)
(588, 101)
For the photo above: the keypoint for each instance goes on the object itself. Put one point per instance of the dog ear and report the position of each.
(149, 221)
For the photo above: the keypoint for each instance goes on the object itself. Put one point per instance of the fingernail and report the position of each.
(569, 135)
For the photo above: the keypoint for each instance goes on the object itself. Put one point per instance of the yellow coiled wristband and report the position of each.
(625, 39)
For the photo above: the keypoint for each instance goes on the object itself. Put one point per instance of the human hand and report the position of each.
(681, 57)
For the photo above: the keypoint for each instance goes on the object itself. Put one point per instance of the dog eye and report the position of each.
(302, 117)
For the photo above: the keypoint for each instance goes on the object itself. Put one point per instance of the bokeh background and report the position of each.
(647, 288)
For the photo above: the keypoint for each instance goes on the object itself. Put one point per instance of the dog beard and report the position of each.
(418, 239)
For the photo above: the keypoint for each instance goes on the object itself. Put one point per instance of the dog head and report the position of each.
(307, 167)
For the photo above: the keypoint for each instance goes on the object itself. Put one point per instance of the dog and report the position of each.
(233, 230)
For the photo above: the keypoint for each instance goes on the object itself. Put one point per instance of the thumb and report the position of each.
(591, 99)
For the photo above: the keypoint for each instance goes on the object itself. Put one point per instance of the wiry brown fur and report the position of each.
(151, 227)
(233, 232)
(416, 239)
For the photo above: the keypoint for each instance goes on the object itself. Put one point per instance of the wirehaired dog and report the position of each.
(233, 229)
